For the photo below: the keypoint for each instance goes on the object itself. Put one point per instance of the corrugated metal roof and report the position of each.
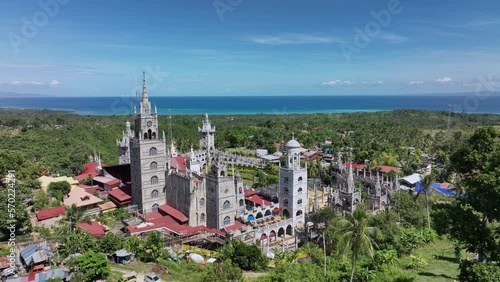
(27, 254)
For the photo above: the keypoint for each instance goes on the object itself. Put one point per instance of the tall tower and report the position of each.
(207, 135)
(221, 197)
(293, 185)
(148, 158)
(124, 145)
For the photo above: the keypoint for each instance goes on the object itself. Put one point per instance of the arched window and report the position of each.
(300, 189)
(149, 134)
(154, 208)
(154, 135)
(202, 218)
(152, 151)
(299, 201)
(286, 189)
(153, 165)
(300, 178)
(145, 136)
(285, 179)
(242, 202)
(154, 194)
(285, 202)
(226, 205)
(202, 202)
(154, 180)
(227, 220)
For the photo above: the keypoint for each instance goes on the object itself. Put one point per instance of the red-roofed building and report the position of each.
(179, 163)
(88, 168)
(387, 169)
(166, 209)
(50, 213)
(120, 196)
(356, 166)
(249, 192)
(258, 200)
(236, 226)
(169, 224)
(106, 183)
(94, 228)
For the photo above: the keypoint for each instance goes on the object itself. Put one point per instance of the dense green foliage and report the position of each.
(472, 220)
(246, 257)
(32, 135)
(91, 266)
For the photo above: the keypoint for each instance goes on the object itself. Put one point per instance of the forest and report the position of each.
(459, 237)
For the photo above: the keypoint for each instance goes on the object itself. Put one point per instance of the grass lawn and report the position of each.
(177, 271)
(441, 264)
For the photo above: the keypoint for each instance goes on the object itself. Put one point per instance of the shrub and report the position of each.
(479, 272)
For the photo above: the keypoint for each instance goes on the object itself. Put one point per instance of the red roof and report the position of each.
(263, 237)
(386, 168)
(276, 210)
(249, 192)
(272, 234)
(170, 224)
(355, 166)
(258, 200)
(169, 210)
(179, 162)
(50, 213)
(94, 228)
(88, 168)
(119, 195)
(153, 215)
(237, 225)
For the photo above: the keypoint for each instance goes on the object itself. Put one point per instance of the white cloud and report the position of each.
(445, 79)
(293, 38)
(416, 82)
(392, 37)
(376, 82)
(338, 82)
(54, 83)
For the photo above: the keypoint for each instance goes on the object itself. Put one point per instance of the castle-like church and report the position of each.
(203, 187)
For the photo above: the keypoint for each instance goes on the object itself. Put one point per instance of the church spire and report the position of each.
(145, 104)
(144, 88)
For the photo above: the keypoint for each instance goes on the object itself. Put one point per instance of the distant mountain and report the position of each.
(5, 94)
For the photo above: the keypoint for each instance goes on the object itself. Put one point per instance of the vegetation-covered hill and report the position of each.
(60, 142)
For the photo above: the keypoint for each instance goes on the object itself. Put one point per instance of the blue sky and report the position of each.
(249, 47)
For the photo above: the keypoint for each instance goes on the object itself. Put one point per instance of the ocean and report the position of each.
(213, 105)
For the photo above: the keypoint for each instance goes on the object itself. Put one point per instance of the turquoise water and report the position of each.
(260, 104)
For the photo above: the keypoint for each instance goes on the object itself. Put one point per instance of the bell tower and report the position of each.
(293, 185)
(148, 157)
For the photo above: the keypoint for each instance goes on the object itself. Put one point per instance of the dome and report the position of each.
(293, 144)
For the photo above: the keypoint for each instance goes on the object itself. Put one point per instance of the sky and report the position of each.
(249, 47)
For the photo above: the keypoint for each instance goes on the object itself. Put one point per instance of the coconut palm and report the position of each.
(426, 182)
(355, 238)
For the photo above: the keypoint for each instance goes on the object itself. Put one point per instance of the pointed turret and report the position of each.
(350, 180)
(378, 187)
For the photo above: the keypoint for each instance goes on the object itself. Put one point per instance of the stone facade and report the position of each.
(124, 145)
(293, 185)
(148, 157)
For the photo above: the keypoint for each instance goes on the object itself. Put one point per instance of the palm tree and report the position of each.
(355, 237)
(426, 182)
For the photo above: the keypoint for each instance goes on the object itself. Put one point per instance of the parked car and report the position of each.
(151, 277)
(129, 277)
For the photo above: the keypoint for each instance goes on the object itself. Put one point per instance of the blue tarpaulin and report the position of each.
(436, 187)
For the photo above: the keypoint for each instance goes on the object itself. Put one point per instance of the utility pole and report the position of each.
(324, 254)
